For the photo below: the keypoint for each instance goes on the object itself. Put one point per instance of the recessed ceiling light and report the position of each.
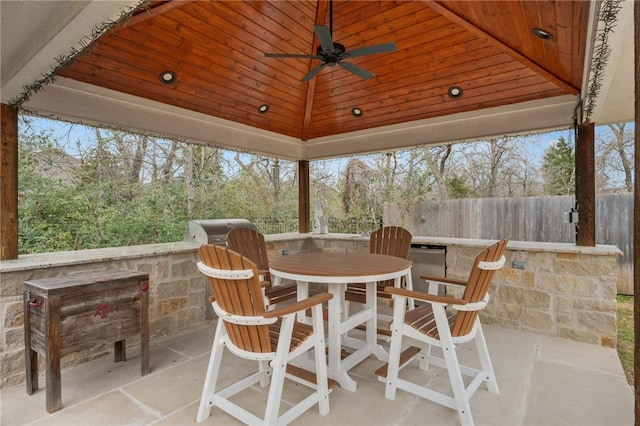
(262, 109)
(454, 92)
(168, 77)
(356, 112)
(543, 34)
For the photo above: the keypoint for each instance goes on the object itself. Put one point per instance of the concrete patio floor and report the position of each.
(543, 381)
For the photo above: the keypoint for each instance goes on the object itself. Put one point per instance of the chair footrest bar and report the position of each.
(406, 356)
(308, 376)
(380, 330)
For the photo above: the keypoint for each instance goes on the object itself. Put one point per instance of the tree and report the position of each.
(358, 194)
(558, 167)
(436, 158)
(614, 159)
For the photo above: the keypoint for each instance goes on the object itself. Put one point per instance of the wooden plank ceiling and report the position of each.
(216, 50)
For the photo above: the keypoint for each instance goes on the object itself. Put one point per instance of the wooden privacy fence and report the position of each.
(523, 219)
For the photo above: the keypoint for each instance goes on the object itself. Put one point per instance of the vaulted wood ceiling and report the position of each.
(217, 49)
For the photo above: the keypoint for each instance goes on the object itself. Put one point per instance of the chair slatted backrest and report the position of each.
(477, 287)
(392, 241)
(238, 296)
(251, 244)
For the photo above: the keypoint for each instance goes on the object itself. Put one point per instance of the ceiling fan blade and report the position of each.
(314, 72)
(371, 50)
(359, 71)
(290, 55)
(324, 36)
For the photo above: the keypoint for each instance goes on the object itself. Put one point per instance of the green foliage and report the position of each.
(626, 335)
(120, 189)
(558, 168)
(101, 198)
(457, 187)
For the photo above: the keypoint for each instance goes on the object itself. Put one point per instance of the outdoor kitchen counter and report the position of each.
(78, 257)
(556, 289)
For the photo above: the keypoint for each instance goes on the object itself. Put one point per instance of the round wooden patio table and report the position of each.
(336, 270)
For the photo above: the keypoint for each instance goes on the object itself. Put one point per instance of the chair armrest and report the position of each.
(424, 296)
(265, 284)
(443, 280)
(299, 306)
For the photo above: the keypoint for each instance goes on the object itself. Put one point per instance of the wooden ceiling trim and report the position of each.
(490, 87)
(513, 53)
(349, 124)
(239, 53)
(294, 34)
(566, 49)
(188, 99)
(535, 15)
(411, 66)
(321, 13)
(415, 71)
(366, 25)
(147, 12)
(197, 68)
(226, 43)
(229, 69)
(407, 96)
(579, 44)
(189, 89)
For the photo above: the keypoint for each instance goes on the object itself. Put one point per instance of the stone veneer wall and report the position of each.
(177, 299)
(564, 291)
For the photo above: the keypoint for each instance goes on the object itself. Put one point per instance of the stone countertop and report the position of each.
(64, 258)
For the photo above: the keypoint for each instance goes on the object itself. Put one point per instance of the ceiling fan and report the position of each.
(331, 53)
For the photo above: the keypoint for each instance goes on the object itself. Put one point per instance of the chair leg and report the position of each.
(485, 361)
(395, 348)
(321, 361)
(457, 385)
(262, 366)
(215, 360)
(279, 366)
(452, 366)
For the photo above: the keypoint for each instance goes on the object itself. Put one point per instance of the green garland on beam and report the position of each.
(83, 46)
(601, 52)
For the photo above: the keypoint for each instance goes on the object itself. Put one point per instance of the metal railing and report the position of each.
(273, 225)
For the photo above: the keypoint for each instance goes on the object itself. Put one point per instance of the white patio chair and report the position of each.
(251, 244)
(272, 338)
(444, 322)
(392, 241)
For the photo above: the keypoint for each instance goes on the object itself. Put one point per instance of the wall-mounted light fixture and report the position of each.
(543, 34)
(356, 112)
(262, 109)
(168, 77)
(454, 92)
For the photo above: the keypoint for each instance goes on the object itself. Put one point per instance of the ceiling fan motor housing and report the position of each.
(331, 58)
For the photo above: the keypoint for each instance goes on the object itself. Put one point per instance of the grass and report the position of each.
(626, 335)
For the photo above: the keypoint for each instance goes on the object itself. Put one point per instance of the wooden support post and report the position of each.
(8, 182)
(636, 215)
(586, 185)
(304, 206)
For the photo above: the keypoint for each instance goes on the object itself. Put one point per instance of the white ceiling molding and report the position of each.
(615, 102)
(88, 104)
(35, 34)
(526, 117)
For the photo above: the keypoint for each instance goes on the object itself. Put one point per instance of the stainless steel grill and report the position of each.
(213, 231)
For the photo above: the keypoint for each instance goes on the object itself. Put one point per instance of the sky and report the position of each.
(68, 134)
